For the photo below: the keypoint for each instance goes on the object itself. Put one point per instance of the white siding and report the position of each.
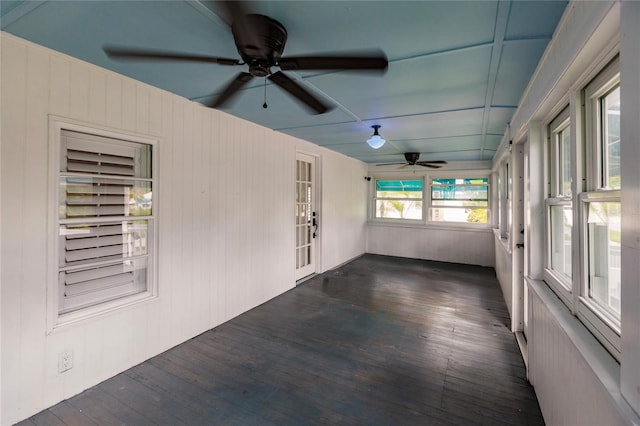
(630, 71)
(225, 216)
(443, 242)
(344, 211)
(471, 247)
(576, 381)
(504, 272)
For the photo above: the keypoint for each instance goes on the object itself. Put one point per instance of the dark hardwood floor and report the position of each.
(379, 341)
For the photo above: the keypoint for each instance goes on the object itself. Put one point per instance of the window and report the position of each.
(459, 200)
(504, 199)
(105, 221)
(583, 208)
(559, 202)
(600, 203)
(399, 199)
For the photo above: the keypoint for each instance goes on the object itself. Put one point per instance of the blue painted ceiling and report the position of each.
(457, 69)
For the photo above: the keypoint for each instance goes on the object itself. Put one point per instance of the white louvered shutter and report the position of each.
(106, 217)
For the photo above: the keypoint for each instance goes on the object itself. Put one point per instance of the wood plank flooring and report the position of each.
(379, 341)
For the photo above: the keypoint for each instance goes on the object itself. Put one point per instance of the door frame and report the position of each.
(316, 202)
(517, 231)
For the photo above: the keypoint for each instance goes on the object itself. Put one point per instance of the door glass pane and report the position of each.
(603, 234)
(303, 210)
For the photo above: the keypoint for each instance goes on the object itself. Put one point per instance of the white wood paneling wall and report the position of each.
(473, 247)
(574, 381)
(504, 271)
(225, 216)
(344, 207)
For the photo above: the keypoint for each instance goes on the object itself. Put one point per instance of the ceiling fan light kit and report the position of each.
(376, 141)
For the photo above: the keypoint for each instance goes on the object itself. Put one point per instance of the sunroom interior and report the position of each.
(227, 209)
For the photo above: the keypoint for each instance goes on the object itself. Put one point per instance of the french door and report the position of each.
(306, 216)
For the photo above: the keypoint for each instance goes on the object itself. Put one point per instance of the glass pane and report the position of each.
(91, 243)
(84, 153)
(469, 215)
(97, 284)
(564, 166)
(100, 197)
(603, 234)
(611, 139)
(460, 203)
(561, 223)
(471, 189)
(399, 189)
(459, 192)
(460, 181)
(399, 209)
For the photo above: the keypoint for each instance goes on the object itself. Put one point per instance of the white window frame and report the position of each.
(459, 175)
(426, 199)
(54, 318)
(375, 198)
(602, 322)
(505, 194)
(561, 283)
(588, 186)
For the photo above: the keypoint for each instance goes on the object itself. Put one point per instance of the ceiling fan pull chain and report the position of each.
(264, 105)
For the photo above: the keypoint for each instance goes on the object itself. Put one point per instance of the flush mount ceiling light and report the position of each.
(375, 141)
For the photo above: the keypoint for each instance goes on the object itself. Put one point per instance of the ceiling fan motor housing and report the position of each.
(411, 157)
(272, 37)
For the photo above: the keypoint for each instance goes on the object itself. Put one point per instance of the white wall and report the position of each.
(576, 380)
(344, 210)
(226, 227)
(472, 247)
(630, 131)
(440, 242)
(504, 271)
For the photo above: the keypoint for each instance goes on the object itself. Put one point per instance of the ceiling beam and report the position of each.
(502, 19)
(20, 9)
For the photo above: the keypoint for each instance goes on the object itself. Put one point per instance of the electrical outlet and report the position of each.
(65, 361)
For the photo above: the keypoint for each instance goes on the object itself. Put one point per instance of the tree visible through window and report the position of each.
(399, 199)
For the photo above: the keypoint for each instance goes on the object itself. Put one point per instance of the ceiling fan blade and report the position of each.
(231, 89)
(389, 164)
(127, 53)
(299, 92)
(425, 164)
(432, 162)
(372, 62)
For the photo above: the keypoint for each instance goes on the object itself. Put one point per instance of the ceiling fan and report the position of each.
(260, 41)
(412, 160)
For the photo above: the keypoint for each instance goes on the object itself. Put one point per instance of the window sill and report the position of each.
(431, 225)
(64, 321)
(504, 242)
